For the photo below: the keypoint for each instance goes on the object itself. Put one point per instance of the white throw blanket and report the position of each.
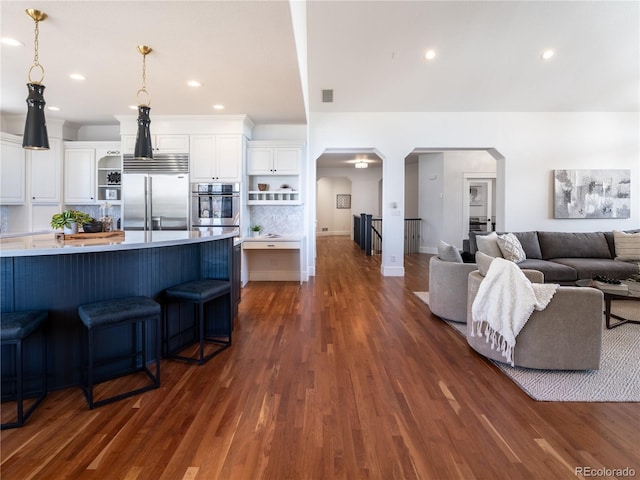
(505, 301)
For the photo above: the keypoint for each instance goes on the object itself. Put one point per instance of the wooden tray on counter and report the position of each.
(84, 236)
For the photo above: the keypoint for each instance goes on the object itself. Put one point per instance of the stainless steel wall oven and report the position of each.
(215, 204)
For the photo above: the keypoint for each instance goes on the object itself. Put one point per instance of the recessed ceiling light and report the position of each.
(77, 76)
(361, 164)
(430, 54)
(194, 83)
(547, 54)
(12, 42)
(133, 107)
(53, 108)
(217, 106)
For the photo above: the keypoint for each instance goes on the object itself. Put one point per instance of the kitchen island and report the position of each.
(40, 272)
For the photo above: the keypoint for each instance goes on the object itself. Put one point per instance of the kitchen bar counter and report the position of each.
(39, 273)
(48, 244)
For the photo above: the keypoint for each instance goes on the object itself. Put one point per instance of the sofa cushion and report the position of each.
(553, 272)
(590, 267)
(573, 245)
(448, 253)
(488, 244)
(511, 248)
(530, 244)
(627, 246)
(483, 261)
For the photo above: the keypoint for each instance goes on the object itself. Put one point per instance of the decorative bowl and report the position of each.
(263, 187)
(92, 227)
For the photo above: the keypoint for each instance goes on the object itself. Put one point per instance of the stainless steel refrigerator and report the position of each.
(155, 193)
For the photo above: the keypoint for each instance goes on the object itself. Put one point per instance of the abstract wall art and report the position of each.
(592, 193)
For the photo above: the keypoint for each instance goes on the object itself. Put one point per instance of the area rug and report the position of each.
(617, 380)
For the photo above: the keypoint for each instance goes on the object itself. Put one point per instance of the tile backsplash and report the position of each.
(281, 220)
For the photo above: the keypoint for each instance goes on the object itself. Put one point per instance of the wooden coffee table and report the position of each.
(610, 295)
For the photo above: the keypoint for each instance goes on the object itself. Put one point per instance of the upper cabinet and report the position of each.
(12, 170)
(215, 158)
(46, 173)
(273, 173)
(278, 159)
(160, 143)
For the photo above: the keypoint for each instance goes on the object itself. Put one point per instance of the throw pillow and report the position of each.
(627, 245)
(488, 244)
(484, 262)
(511, 248)
(448, 253)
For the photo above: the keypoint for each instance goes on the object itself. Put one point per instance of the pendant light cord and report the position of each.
(36, 62)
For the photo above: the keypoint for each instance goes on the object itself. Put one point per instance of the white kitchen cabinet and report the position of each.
(159, 143)
(276, 166)
(215, 158)
(264, 158)
(109, 174)
(79, 175)
(12, 170)
(45, 173)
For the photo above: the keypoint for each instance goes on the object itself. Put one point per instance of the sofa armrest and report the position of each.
(448, 287)
(534, 276)
(566, 335)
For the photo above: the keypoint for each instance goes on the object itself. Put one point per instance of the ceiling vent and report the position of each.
(327, 96)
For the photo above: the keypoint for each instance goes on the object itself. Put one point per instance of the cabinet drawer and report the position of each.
(262, 245)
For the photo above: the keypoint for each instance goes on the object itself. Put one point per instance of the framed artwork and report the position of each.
(592, 193)
(343, 200)
(477, 195)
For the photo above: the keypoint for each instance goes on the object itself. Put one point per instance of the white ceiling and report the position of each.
(370, 53)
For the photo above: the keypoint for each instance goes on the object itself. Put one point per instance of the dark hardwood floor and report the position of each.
(347, 376)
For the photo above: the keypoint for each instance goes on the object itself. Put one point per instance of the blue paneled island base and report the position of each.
(59, 280)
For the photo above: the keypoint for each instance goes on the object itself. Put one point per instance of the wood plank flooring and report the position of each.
(347, 376)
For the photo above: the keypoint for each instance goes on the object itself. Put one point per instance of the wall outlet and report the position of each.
(393, 258)
(325, 229)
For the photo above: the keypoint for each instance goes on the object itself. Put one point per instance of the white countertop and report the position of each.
(47, 244)
(270, 237)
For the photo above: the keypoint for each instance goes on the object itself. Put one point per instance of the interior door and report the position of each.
(479, 205)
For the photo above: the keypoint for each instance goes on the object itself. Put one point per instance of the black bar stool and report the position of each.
(16, 329)
(142, 314)
(217, 293)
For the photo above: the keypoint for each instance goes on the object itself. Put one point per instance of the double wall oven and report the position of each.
(215, 205)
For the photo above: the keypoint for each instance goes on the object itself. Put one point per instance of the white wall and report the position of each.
(411, 189)
(532, 144)
(364, 187)
(336, 221)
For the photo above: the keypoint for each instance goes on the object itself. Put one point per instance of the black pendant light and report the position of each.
(35, 129)
(143, 148)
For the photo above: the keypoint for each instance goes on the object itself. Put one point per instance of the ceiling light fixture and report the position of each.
(547, 54)
(77, 76)
(194, 83)
(143, 148)
(361, 164)
(430, 54)
(35, 128)
(217, 106)
(12, 42)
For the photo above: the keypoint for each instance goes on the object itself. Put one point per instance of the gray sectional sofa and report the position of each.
(561, 257)
(565, 257)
